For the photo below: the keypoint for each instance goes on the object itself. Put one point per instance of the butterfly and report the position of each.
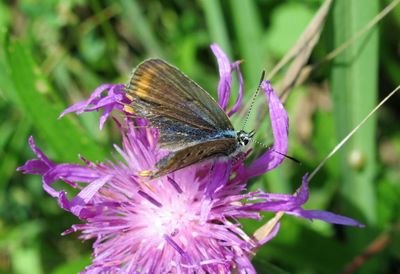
(191, 124)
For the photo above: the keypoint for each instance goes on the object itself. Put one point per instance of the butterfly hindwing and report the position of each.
(194, 154)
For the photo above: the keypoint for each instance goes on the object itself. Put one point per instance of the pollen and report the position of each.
(129, 109)
(130, 97)
(145, 173)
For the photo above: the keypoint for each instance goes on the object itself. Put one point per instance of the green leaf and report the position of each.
(27, 260)
(263, 266)
(5, 15)
(353, 84)
(133, 14)
(73, 266)
(354, 90)
(15, 144)
(287, 23)
(216, 24)
(40, 104)
(297, 245)
(248, 28)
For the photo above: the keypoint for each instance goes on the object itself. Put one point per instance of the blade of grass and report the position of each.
(13, 149)
(134, 15)
(306, 40)
(298, 54)
(308, 70)
(248, 30)
(354, 93)
(6, 128)
(37, 101)
(351, 133)
(106, 27)
(302, 50)
(338, 50)
(216, 24)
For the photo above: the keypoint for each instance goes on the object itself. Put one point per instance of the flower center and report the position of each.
(176, 214)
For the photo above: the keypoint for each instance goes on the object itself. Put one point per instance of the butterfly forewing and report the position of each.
(161, 93)
(190, 123)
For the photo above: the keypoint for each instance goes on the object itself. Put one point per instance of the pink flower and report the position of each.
(185, 222)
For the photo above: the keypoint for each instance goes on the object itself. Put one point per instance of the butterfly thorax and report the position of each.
(243, 137)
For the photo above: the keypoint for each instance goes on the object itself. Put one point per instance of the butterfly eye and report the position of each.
(244, 137)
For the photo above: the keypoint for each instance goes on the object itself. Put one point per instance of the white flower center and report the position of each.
(176, 215)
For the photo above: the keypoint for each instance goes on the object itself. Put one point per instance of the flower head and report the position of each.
(185, 222)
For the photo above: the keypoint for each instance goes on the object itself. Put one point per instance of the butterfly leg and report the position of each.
(145, 179)
(212, 169)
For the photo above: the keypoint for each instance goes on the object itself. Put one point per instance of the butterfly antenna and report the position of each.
(254, 99)
(280, 153)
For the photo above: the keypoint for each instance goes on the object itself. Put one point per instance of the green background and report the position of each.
(54, 53)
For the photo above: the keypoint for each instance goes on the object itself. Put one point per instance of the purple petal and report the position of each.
(39, 153)
(224, 85)
(292, 205)
(80, 107)
(244, 264)
(52, 172)
(238, 102)
(78, 204)
(104, 116)
(281, 202)
(225, 81)
(280, 123)
(302, 197)
(66, 172)
(114, 99)
(218, 174)
(172, 243)
(70, 172)
(74, 228)
(325, 216)
(36, 166)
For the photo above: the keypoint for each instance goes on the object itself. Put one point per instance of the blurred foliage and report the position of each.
(54, 53)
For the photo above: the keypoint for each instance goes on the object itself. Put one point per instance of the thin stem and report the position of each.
(351, 133)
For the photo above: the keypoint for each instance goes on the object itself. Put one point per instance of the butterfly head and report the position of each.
(244, 137)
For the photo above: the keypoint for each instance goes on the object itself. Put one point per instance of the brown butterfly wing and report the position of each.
(184, 113)
(194, 154)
